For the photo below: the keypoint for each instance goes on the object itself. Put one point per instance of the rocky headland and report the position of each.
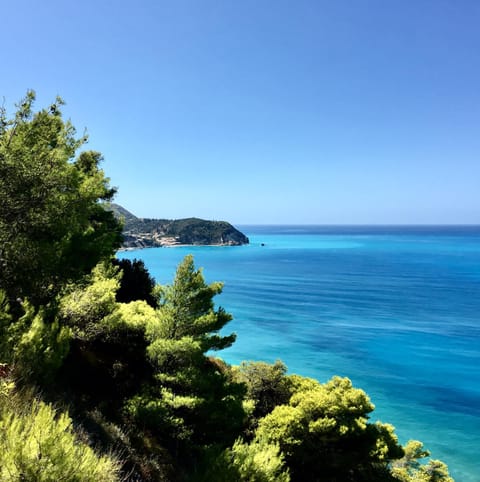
(149, 233)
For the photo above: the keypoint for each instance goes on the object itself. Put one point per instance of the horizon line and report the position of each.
(364, 224)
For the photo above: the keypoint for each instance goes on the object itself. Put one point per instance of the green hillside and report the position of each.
(146, 232)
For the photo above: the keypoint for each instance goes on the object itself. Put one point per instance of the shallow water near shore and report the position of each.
(396, 309)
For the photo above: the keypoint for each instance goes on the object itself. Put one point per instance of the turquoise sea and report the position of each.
(396, 309)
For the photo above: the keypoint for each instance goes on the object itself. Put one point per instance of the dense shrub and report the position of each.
(39, 444)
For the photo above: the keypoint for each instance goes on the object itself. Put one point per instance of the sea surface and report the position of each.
(395, 309)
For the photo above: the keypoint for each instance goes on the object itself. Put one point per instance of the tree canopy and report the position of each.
(53, 227)
(194, 399)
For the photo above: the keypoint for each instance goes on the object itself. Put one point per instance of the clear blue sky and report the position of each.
(265, 111)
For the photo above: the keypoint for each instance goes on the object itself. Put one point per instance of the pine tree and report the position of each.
(53, 229)
(194, 401)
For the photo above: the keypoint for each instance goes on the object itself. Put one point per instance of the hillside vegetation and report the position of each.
(144, 232)
(106, 376)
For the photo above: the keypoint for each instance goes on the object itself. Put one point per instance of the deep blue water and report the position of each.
(396, 309)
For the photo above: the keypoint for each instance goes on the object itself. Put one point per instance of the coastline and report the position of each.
(180, 245)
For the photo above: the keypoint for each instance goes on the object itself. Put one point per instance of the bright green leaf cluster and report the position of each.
(410, 469)
(35, 344)
(250, 462)
(323, 432)
(38, 444)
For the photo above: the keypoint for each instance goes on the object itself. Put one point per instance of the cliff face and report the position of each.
(144, 232)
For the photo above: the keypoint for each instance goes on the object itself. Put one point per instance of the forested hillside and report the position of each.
(144, 232)
(106, 376)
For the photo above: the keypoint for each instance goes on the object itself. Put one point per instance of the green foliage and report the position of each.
(35, 344)
(136, 314)
(107, 359)
(136, 283)
(199, 231)
(252, 462)
(52, 227)
(5, 320)
(257, 462)
(187, 309)
(410, 469)
(6, 384)
(86, 306)
(38, 444)
(324, 434)
(194, 402)
(42, 348)
(267, 385)
(435, 471)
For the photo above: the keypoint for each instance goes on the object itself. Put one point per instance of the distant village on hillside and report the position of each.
(147, 233)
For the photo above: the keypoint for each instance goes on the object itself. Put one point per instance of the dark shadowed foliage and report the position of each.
(136, 282)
